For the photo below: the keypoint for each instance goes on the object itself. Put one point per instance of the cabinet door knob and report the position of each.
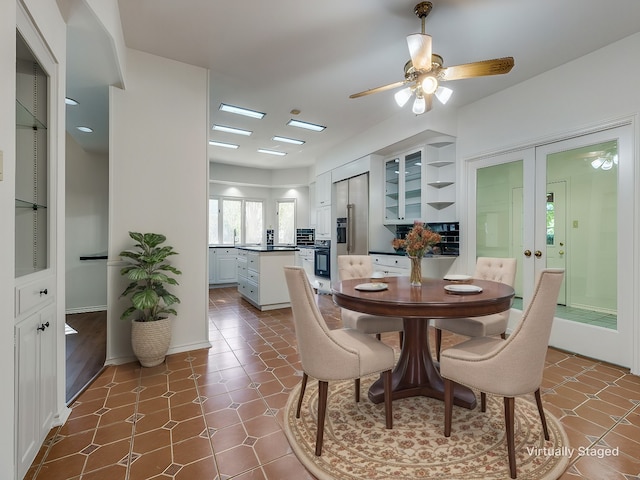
(43, 326)
(43, 292)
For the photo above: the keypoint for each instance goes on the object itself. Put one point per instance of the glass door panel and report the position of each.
(392, 189)
(413, 185)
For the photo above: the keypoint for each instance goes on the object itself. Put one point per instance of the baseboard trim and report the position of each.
(90, 309)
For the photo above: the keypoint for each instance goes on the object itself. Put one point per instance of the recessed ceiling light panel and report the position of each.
(288, 140)
(222, 144)
(237, 131)
(271, 152)
(306, 125)
(241, 111)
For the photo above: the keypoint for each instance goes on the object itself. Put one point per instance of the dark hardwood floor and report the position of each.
(86, 350)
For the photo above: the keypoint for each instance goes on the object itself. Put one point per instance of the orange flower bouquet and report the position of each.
(416, 243)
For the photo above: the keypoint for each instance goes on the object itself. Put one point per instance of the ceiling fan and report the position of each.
(424, 72)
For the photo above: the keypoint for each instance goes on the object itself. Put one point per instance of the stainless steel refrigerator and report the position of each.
(352, 216)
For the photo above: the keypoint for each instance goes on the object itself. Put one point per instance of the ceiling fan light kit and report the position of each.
(424, 72)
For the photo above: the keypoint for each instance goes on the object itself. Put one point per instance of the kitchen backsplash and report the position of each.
(305, 236)
(449, 232)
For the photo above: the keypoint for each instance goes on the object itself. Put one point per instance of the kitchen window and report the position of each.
(286, 212)
(235, 221)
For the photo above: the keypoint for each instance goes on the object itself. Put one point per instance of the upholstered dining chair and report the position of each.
(506, 367)
(330, 355)
(360, 266)
(501, 270)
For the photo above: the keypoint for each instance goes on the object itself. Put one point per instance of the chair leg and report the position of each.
(357, 392)
(401, 337)
(303, 387)
(378, 336)
(483, 402)
(503, 335)
(448, 406)
(541, 412)
(388, 409)
(438, 343)
(323, 389)
(509, 403)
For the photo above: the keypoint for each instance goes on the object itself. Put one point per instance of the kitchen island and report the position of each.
(261, 275)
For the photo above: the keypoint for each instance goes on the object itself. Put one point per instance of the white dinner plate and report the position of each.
(457, 278)
(463, 288)
(371, 287)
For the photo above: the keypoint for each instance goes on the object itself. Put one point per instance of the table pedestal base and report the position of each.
(415, 373)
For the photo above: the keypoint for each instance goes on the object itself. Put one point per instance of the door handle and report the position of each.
(527, 253)
(538, 254)
(350, 227)
(561, 252)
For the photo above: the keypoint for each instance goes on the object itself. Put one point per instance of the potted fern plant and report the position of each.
(151, 302)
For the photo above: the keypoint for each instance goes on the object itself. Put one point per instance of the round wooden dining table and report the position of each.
(415, 373)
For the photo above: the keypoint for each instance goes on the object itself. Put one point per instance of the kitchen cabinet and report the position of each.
(393, 265)
(222, 265)
(323, 227)
(403, 187)
(35, 383)
(323, 189)
(261, 277)
(440, 191)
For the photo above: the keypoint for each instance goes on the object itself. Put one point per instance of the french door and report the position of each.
(567, 204)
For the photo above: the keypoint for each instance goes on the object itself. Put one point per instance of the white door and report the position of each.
(562, 205)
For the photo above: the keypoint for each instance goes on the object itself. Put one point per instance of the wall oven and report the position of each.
(322, 259)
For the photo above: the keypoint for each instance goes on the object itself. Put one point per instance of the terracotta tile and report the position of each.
(595, 416)
(107, 455)
(118, 414)
(149, 465)
(237, 460)
(201, 469)
(153, 405)
(67, 468)
(272, 446)
(70, 445)
(112, 472)
(151, 440)
(113, 433)
(79, 424)
(252, 409)
(255, 474)
(287, 467)
(185, 411)
(191, 450)
(593, 468)
(187, 429)
(226, 438)
(222, 418)
(261, 426)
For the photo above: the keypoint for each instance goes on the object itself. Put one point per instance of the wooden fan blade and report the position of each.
(497, 66)
(378, 89)
(420, 51)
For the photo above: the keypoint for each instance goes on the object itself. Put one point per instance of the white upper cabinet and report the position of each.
(403, 186)
(323, 189)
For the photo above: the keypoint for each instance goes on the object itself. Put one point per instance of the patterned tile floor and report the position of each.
(217, 414)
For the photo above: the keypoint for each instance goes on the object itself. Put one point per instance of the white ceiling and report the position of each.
(278, 55)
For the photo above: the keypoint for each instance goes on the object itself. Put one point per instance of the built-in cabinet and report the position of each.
(403, 175)
(35, 329)
(399, 265)
(261, 277)
(420, 184)
(36, 383)
(222, 265)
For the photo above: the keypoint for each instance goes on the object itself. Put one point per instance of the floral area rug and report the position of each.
(358, 446)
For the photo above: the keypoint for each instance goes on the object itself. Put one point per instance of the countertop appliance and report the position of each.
(352, 216)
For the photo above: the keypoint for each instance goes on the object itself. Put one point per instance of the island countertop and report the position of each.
(268, 248)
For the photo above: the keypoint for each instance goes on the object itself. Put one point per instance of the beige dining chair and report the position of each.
(506, 367)
(501, 270)
(330, 355)
(361, 266)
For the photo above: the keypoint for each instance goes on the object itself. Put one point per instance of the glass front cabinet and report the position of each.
(403, 175)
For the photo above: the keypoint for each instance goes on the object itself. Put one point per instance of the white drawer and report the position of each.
(34, 294)
(253, 261)
(397, 261)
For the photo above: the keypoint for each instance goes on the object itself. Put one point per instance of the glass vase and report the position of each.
(416, 271)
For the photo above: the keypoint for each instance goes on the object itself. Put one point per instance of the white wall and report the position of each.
(87, 198)
(158, 174)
